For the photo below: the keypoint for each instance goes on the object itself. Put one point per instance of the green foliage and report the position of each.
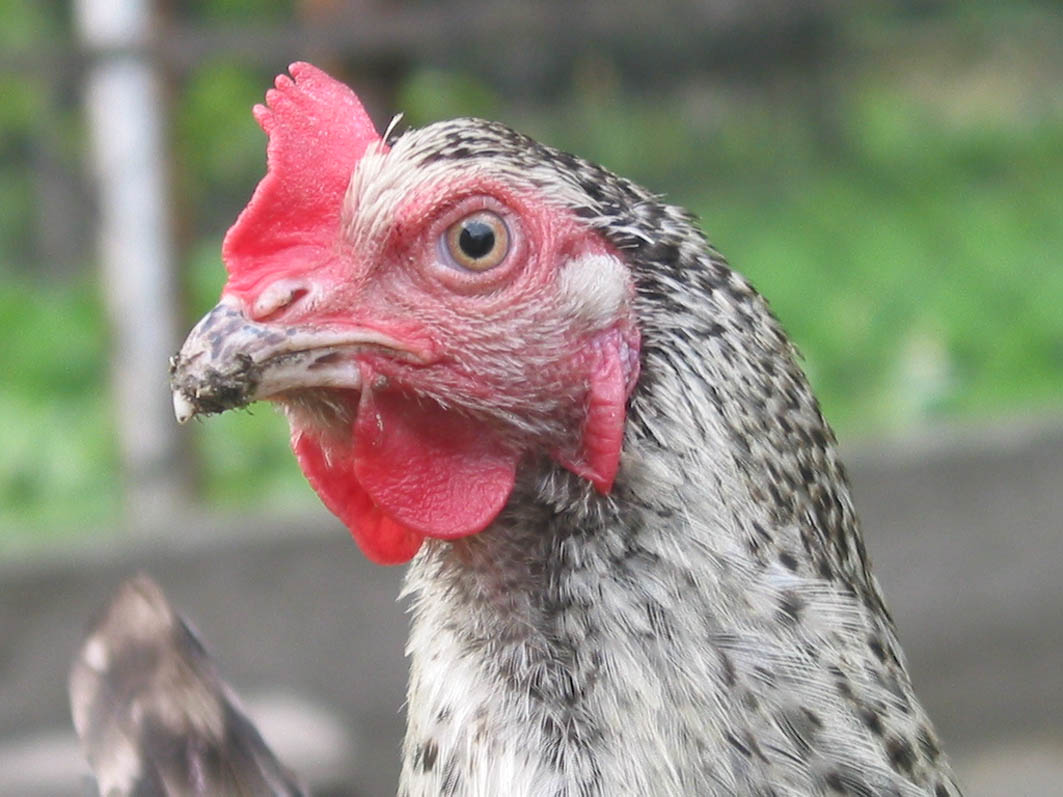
(58, 460)
(433, 94)
(220, 150)
(919, 273)
(23, 103)
(27, 23)
(230, 11)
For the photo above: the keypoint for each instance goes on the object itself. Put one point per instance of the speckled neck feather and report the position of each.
(711, 626)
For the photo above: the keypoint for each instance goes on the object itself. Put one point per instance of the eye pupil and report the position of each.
(477, 239)
(478, 242)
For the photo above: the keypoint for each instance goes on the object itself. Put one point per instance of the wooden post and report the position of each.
(124, 103)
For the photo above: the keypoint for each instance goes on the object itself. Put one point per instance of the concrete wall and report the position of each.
(965, 530)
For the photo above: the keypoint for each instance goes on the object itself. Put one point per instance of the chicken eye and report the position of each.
(477, 242)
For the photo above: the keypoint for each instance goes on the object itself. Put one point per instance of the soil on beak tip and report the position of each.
(210, 390)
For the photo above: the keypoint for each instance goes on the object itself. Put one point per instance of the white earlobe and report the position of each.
(594, 288)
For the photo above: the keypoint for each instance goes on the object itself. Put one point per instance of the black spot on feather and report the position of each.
(790, 607)
(424, 758)
(901, 754)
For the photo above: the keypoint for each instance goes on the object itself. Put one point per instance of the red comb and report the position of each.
(318, 130)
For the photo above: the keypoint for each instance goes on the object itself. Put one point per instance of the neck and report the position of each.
(527, 641)
(656, 640)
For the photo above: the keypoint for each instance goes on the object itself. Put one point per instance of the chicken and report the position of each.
(636, 567)
(152, 713)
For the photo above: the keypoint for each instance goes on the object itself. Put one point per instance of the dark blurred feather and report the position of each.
(153, 715)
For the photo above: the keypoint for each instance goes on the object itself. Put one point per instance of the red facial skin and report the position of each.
(437, 432)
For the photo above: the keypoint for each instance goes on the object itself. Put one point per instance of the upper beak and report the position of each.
(229, 361)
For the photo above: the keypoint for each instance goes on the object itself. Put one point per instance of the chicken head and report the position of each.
(427, 321)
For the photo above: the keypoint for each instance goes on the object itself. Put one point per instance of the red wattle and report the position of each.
(612, 368)
(437, 472)
(414, 470)
(381, 538)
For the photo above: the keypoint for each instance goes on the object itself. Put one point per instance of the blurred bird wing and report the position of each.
(152, 713)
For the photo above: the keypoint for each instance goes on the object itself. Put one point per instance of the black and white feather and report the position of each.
(153, 715)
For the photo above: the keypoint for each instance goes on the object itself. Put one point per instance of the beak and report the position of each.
(229, 361)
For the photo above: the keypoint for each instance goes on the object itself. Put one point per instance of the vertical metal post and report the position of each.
(124, 106)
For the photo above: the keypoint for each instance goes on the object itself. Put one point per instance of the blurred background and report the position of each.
(889, 174)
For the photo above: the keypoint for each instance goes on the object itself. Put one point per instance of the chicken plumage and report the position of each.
(636, 564)
(154, 716)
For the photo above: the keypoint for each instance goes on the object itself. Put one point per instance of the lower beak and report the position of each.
(229, 361)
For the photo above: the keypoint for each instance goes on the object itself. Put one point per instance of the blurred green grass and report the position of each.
(912, 254)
